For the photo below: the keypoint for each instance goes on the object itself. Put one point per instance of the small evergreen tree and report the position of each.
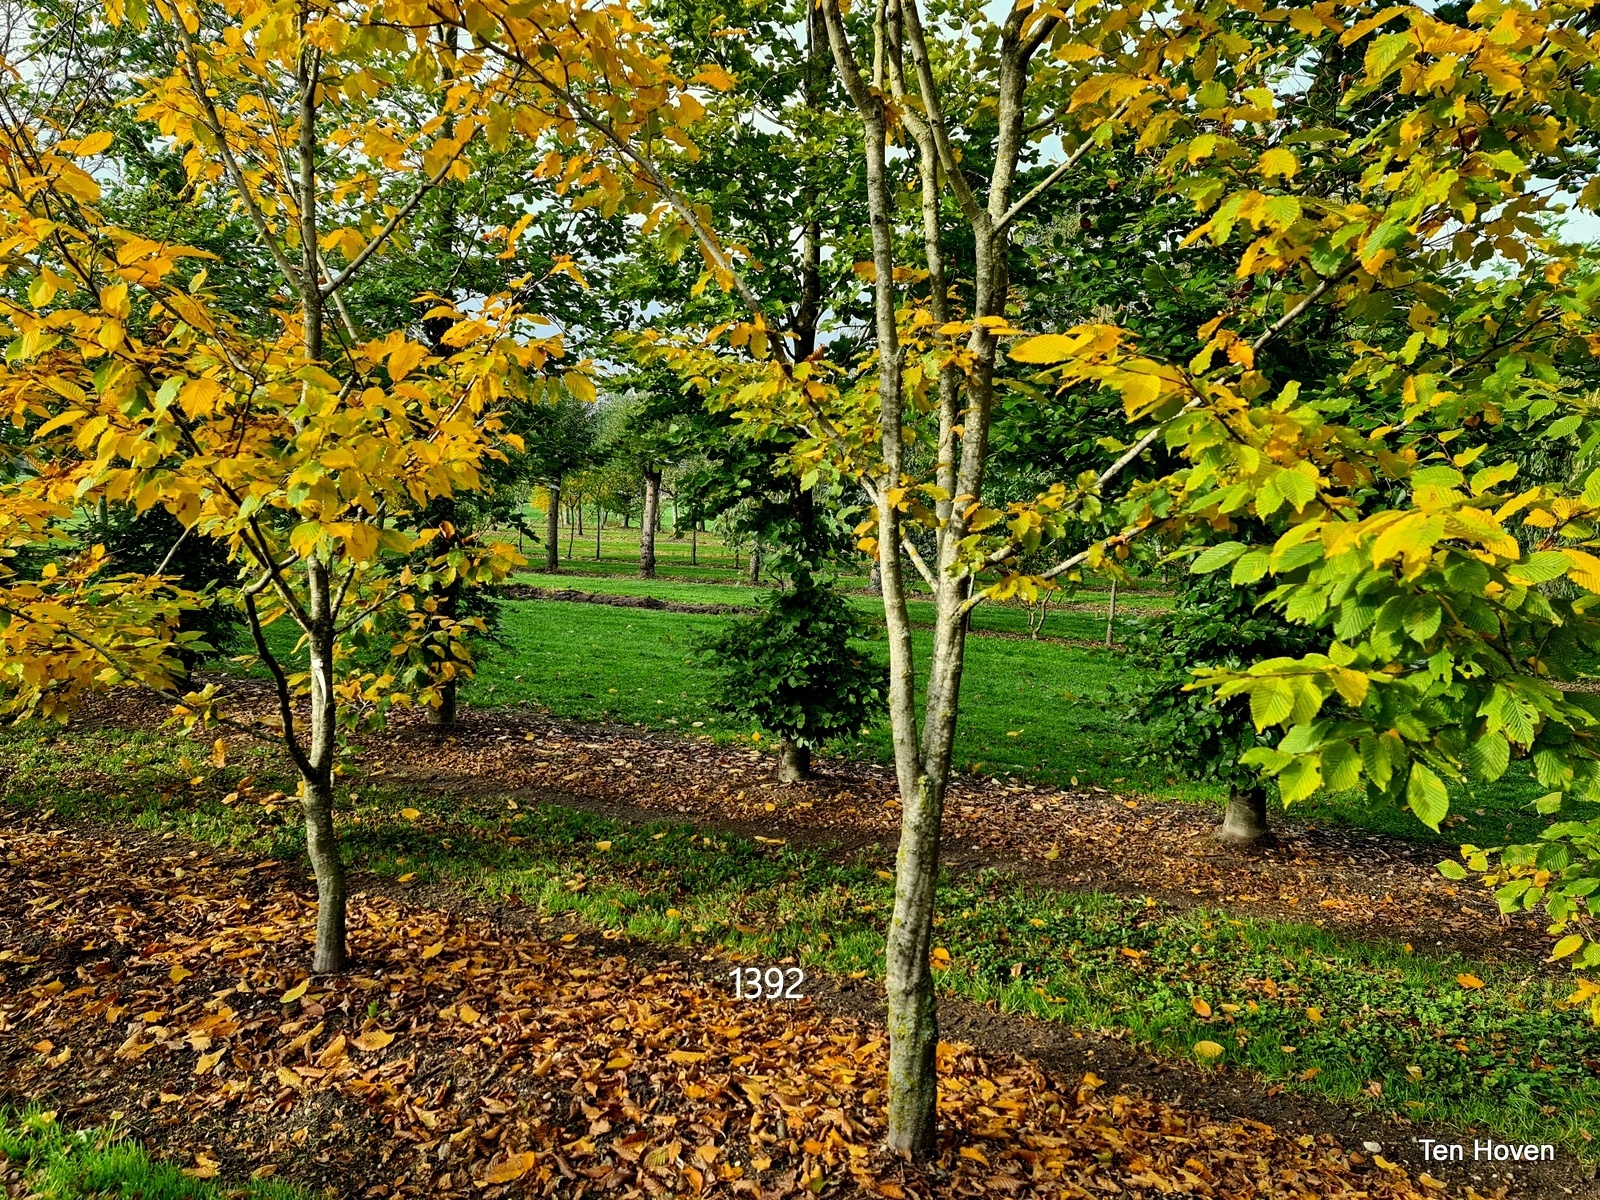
(1213, 625)
(793, 671)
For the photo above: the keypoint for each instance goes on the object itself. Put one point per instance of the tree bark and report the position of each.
(1244, 822)
(794, 762)
(316, 778)
(647, 526)
(552, 531)
(1111, 613)
(875, 579)
(753, 575)
(599, 525)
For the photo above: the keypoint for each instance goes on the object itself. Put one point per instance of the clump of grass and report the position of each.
(61, 1164)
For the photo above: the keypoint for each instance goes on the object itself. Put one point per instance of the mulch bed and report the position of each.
(150, 981)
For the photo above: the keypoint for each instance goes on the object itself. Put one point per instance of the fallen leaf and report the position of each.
(602, 845)
(295, 992)
(1470, 982)
(374, 1039)
(179, 974)
(1201, 1008)
(432, 951)
(410, 814)
(219, 754)
(204, 1168)
(467, 1014)
(407, 877)
(513, 1166)
(207, 1062)
(1208, 1049)
(685, 1056)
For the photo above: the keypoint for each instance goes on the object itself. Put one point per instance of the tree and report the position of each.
(311, 452)
(793, 672)
(1212, 626)
(561, 441)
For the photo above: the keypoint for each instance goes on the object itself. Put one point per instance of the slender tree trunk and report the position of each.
(647, 525)
(580, 515)
(753, 576)
(316, 778)
(694, 543)
(794, 761)
(1244, 822)
(1111, 613)
(599, 525)
(552, 531)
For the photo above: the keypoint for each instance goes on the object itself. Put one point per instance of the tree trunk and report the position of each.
(794, 762)
(1244, 823)
(647, 526)
(599, 524)
(443, 714)
(316, 777)
(1111, 613)
(552, 531)
(753, 576)
(875, 579)
(694, 543)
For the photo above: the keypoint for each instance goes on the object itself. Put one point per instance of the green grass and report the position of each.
(60, 1164)
(1034, 709)
(1506, 1058)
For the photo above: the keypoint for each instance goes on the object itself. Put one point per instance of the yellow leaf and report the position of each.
(974, 1154)
(1046, 348)
(289, 1077)
(204, 1168)
(619, 1063)
(1278, 161)
(467, 1014)
(1315, 1014)
(94, 143)
(940, 956)
(1201, 1008)
(295, 992)
(673, 914)
(179, 974)
(207, 1062)
(513, 1166)
(404, 359)
(374, 1039)
(432, 951)
(1208, 1049)
(219, 754)
(410, 814)
(1470, 982)
(1566, 946)
(602, 845)
(685, 1056)
(407, 877)
(581, 386)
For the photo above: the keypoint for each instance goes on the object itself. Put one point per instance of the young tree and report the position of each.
(1213, 625)
(312, 452)
(793, 672)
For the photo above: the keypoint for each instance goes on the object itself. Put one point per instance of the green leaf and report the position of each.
(1567, 945)
(1426, 796)
(1214, 558)
(1451, 869)
(1271, 700)
(1540, 567)
(1489, 755)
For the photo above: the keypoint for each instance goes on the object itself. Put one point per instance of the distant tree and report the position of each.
(794, 671)
(1212, 626)
(560, 440)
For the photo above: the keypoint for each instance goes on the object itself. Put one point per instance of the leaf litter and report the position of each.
(164, 987)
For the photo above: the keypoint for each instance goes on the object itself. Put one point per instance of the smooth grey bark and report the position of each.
(1111, 612)
(922, 755)
(753, 574)
(316, 776)
(552, 530)
(794, 761)
(647, 526)
(1244, 821)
